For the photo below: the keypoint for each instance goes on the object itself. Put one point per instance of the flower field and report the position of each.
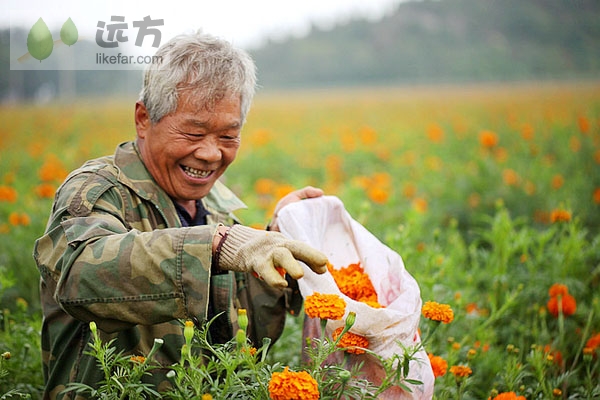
(490, 193)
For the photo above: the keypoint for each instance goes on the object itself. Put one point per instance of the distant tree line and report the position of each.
(444, 41)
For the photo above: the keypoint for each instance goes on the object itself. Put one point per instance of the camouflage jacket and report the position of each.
(114, 252)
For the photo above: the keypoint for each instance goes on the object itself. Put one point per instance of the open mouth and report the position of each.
(195, 173)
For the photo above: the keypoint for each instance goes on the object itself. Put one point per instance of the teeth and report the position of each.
(196, 173)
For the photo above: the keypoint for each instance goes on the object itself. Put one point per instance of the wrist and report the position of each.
(218, 239)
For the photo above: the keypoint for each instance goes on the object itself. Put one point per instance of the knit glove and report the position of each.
(245, 249)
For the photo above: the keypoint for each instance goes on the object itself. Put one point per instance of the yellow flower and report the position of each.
(324, 306)
(290, 385)
(438, 312)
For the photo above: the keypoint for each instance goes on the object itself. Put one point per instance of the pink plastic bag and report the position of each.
(325, 224)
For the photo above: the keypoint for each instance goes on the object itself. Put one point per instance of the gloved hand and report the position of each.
(246, 249)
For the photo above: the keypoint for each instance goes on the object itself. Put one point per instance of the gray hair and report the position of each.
(207, 65)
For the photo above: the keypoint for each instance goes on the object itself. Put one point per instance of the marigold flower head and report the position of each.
(461, 371)
(557, 181)
(137, 359)
(593, 342)
(355, 283)
(8, 194)
(560, 215)
(488, 139)
(288, 385)
(438, 312)
(596, 195)
(558, 289)
(438, 365)
(567, 303)
(324, 306)
(435, 133)
(508, 396)
(45, 190)
(352, 342)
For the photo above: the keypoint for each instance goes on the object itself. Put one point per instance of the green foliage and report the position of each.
(233, 370)
(20, 361)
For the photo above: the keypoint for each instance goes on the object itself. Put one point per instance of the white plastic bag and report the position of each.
(325, 224)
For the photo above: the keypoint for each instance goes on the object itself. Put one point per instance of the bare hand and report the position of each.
(307, 192)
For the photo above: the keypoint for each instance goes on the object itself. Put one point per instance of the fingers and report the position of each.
(283, 258)
(271, 276)
(316, 260)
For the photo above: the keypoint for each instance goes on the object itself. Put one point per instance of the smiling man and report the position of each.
(145, 238)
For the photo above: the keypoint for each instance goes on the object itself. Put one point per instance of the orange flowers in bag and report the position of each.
(355, 283)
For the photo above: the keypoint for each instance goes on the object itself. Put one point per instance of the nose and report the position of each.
(208, 150)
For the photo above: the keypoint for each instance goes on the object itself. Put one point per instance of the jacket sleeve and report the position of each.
(97, 268)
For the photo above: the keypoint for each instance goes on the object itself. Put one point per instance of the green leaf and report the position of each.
(39, 40)
(69, 33)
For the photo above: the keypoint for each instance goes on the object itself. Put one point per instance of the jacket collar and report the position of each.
(133, 174)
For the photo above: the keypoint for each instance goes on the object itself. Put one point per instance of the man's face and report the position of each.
(189, 149)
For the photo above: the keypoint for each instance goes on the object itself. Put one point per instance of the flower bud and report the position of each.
(188, 331)
(6, 355)
(350, 319)
(242, 319)
(240, 337)
(345, 376)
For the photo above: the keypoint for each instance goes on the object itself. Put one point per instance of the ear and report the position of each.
(142, 120)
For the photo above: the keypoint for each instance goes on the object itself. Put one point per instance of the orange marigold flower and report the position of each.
(45, 190)
(593, 342)
(438, 312)
(137, 359)
(53, 170)
(488, 139)
(568, 305)
(289, 385)
(559, 215)
(355, 283)
(15, 218)
(584, 124)
(510, 177)
(438, 364)
(435, 133)
(352, 342)
(508, 396)
(324, 306)
(596, 195)
(420, 205)
(460, 371)
(557, 181)
(264, 186)
(558, 289)
(8, 193)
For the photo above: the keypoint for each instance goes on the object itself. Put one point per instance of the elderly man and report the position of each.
(142, 239)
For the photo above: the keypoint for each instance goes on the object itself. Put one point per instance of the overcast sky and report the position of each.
(244, 22)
